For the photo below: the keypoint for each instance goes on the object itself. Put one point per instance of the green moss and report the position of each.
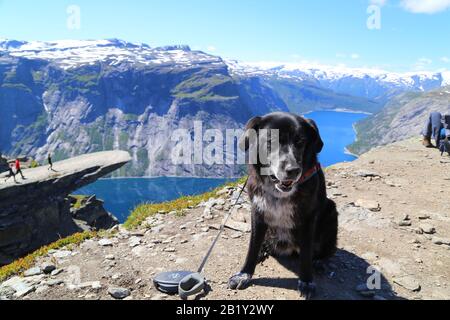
(80, 199)
(27, 262)
(142, 212)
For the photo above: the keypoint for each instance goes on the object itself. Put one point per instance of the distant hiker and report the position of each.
(11, 174)
(18, 169)
(50, 162)
(433, 130)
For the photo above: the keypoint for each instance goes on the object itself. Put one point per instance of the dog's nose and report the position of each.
(293, 173)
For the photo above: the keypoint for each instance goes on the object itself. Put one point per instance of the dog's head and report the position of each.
(299, 142)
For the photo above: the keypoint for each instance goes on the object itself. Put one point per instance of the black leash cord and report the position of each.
(222, 228)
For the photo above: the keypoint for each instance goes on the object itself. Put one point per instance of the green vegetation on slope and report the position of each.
(144, 211)
(27, 262)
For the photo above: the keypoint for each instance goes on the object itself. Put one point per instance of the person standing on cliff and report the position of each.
(18, 169)
(11, 174)
(50, 161)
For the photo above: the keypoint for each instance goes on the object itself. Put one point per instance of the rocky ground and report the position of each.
(394, 216)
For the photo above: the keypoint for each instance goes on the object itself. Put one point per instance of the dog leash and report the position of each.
(222, 229)
(194, 283)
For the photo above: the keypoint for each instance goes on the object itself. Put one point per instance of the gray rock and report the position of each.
(134, 242)
(368, 204)
(119, 293)
(62, 254)
(48, 268)
(405, 223)
(409, 283)
(33, 272)
(56, 272)
(105, 243)
(428, 229)
(366, 174)
(441, 241)
(20, 286)
(6, 293)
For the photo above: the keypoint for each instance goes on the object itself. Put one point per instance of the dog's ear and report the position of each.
(316, 138)
(251, 128)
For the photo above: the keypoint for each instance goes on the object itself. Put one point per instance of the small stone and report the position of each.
(236, 235)
(62, 254)
(184, 241)
(405, 223)
(116, 276)
(55, 282)
(428, 229)
(119, 293)
(205, 229)
(170, 249)
(48, 268)
(110, 257)
(96, 285)
(441, 241)
(408, 283)
(134, 242)
(368, 204)
(33, 272)
(105, 243)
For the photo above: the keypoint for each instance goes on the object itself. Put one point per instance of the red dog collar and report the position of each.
(310, 174)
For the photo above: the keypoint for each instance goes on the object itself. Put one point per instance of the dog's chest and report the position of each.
(278, 213)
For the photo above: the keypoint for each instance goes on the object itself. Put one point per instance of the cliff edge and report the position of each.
(36, 210)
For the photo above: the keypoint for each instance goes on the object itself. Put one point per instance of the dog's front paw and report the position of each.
(239, 281)
(307, 289)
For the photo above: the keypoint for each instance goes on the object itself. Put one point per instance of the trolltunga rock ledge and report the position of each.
(36, 211)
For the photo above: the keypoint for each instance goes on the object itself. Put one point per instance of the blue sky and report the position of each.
(413, 34)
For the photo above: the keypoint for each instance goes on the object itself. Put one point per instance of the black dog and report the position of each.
(291, 214)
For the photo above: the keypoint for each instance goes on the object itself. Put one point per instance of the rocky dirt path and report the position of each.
(394, 215)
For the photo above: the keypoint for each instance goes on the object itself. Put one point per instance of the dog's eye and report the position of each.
(274, 179)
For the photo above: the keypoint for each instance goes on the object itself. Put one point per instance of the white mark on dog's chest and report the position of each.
(278, 214)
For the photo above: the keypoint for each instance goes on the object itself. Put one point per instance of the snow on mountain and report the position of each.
(370, 83)
(74, 53)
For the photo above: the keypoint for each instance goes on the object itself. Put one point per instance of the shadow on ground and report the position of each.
(336, 279)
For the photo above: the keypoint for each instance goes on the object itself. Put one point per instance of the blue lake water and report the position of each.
(122, 195)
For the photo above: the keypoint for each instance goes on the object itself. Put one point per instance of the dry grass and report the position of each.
(27, 262)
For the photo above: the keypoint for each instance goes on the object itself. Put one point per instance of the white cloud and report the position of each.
(211, 48)
(380, 3)
(422, 63)
(353, 56)
(425, 6)
(445, 59)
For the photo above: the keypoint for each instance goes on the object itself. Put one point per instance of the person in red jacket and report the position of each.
(18, 169)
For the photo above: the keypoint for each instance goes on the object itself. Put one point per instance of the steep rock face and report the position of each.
(403, 117)
(36, 211)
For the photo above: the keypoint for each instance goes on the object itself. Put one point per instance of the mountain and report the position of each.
(74, 97)
(403, 117)
(373, 84)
